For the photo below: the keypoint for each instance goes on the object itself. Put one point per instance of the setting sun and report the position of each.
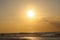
(30, 13)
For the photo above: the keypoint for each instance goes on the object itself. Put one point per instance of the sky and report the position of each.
(12, 15)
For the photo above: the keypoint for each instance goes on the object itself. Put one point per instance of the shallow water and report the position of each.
(41, 38)
(30, 38)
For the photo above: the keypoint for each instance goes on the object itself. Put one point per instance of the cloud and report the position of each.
(55, 23)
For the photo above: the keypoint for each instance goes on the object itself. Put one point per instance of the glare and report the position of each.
(30, 13)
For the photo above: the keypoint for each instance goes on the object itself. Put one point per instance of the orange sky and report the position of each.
(13, 16)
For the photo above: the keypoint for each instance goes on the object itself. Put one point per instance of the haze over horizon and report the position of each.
(13, 16)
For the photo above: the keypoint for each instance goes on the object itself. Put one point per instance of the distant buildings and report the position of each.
(42, 34)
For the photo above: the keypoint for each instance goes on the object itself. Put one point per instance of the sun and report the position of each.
(30, 13)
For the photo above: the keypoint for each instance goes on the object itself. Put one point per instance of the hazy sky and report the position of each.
(11, 12)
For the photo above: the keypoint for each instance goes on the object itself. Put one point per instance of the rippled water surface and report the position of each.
(31, 38)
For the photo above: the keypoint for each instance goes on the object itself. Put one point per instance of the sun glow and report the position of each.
(30, 13)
